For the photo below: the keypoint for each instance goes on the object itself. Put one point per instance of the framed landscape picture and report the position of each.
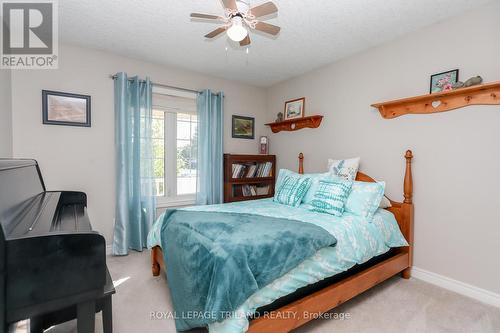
(443, 81)
(243, 127)
(295, 108)
(61, 108)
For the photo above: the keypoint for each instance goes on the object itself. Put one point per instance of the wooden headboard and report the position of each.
(403, 211)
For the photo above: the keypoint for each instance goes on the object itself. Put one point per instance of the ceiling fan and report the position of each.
(239, 18)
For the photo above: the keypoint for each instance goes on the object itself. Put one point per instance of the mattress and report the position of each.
(358, 241)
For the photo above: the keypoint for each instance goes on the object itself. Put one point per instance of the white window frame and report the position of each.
(170, 164)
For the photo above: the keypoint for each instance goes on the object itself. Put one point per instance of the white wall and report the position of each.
(5, 114)
(457, 229)
(77, 158)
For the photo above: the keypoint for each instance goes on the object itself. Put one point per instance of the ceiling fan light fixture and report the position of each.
(239, 19)
(237, 32)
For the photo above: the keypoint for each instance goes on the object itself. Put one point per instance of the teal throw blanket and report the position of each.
(216, 260)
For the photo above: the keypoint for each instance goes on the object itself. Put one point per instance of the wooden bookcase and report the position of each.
(242, 187)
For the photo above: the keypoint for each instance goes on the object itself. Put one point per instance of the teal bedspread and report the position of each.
(216, 260)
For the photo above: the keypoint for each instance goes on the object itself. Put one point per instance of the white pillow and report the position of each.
(385, 203)
(346, 169)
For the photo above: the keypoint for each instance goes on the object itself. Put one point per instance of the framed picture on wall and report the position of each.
(443, 81)
(243, 127)
(60, 108)
(295, 108)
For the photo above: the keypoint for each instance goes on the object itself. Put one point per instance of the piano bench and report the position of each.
(83, 312)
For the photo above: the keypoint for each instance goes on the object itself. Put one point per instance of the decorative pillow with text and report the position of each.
(346, 169)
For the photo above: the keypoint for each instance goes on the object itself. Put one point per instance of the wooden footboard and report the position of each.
(299, 312)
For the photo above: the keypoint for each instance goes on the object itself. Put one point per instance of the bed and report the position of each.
(332, 275)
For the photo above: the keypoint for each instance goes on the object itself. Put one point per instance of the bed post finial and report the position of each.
(408, 185)
(301, 163)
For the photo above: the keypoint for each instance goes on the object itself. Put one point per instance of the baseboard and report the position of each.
(462, 288)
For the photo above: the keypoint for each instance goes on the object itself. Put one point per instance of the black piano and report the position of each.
(50, 259)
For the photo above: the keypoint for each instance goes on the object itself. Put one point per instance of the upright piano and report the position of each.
(50, 259)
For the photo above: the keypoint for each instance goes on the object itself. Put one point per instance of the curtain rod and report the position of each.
(164, 86)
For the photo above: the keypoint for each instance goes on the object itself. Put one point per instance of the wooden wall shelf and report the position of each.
(485, 94)
(296, 124)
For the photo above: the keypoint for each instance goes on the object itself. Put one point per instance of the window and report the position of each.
(175, 135)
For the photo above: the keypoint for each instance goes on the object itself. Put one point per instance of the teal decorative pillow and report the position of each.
(331, 196)
(315, 179)
(365, 198)
(291, 188)
(281, 175)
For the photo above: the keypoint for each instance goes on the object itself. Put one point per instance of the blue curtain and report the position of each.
(135, 200)
(210, 148)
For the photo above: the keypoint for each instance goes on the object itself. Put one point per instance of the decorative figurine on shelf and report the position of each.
(280, 117)
(473, 81)
(458, 85)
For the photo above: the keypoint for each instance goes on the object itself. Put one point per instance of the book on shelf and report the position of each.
(254, 170)
(263, 190)
(250, 190)
(251, 171)
(238, 170)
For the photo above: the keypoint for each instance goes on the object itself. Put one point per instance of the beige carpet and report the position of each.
(394, 306)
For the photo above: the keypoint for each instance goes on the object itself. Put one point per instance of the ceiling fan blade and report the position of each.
(267, 28)
(216, 32)
(230, 4)
(264, 9)
(245, 41)
(206, 16)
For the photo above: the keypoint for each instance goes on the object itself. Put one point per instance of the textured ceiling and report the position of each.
(314, 32)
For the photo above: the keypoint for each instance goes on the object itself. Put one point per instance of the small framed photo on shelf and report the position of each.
(243, 127)
(443, 81)
(295, 108)
(59, 108)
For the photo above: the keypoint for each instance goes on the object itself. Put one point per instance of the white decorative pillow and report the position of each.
(346, 169)
(385, 203)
